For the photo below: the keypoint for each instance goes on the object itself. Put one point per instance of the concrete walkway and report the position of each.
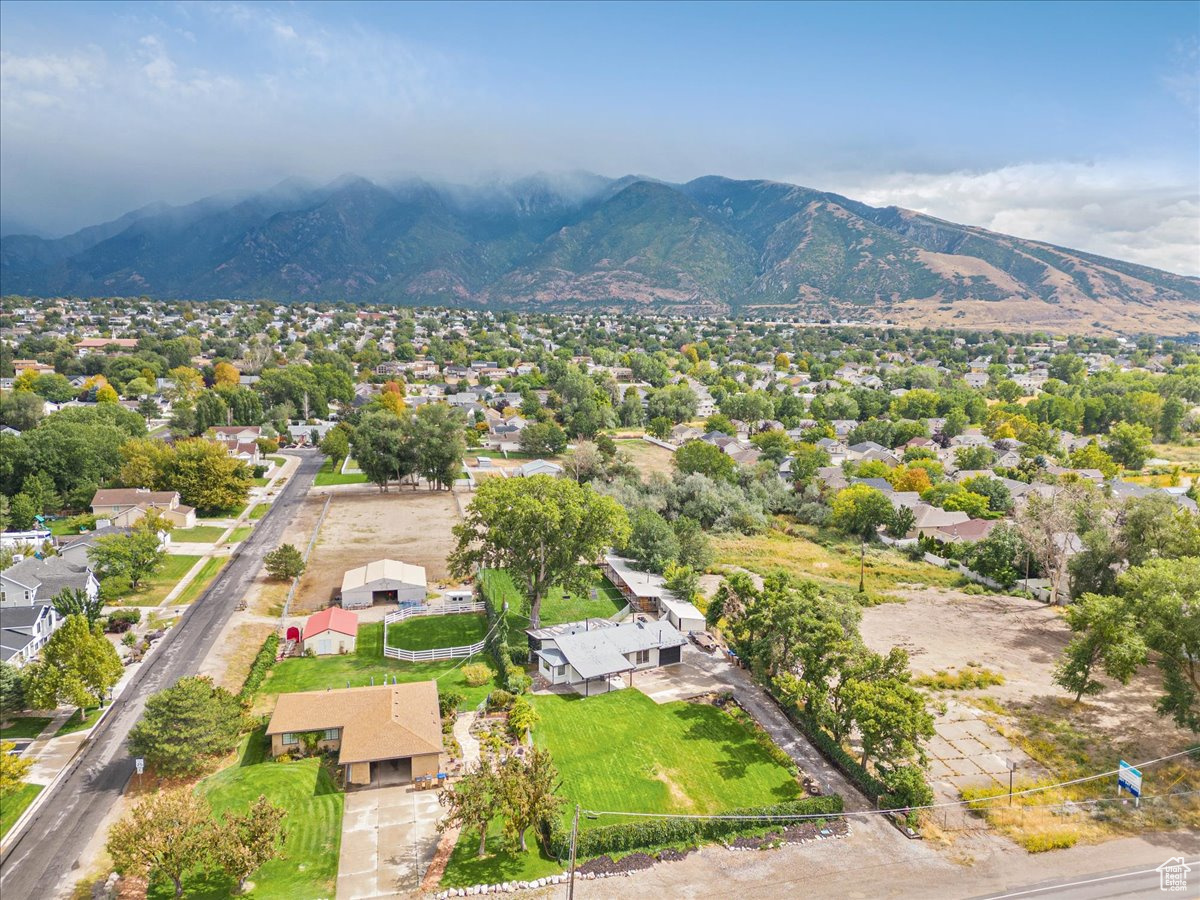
(389, 837)
(467, 741)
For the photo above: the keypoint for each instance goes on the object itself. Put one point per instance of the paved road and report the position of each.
(1136, 881)
(37, 865)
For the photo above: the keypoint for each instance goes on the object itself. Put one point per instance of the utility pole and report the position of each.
(574, 837)
(862, 568)
(1012, 767)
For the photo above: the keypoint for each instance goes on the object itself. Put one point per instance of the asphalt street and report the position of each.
(1136, 881)
(47, 852)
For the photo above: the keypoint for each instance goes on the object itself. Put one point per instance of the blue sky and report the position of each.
(1077, 123)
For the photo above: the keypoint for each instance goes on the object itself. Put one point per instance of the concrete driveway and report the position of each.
(696, 673)
(389, 837)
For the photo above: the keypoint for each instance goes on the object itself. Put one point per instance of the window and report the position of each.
(289, 738)
(332, 734)
(642, 657)
(559, 670)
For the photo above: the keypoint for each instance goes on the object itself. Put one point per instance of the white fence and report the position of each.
(436, 609)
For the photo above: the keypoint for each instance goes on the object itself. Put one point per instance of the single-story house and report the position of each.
(596, 650)
(387, 734)
(383, 581)
(125, 506)
(74, 549)
(332, 630)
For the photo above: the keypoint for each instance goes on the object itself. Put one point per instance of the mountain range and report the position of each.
(712, 246)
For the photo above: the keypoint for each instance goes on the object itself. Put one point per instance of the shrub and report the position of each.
(263, 663)
(122, 620)
(1043, 841)
(476, 674)
(522, 717)
(648, 834)
(969, 678)
(449, 702)
(519, 654)
(499, 699)
(518, 683)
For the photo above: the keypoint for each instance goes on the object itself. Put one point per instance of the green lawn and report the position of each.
(431, 632)
(13, 803)
(80, 721)
(21, 727)
(307, 866)
(201, 534)
(623, 751)
(260, 510)
(303, 674)
(673, 757)
(331, 474)
(557, 607)
(261, 481)
(278, 460)
(239, 534)
(63, 528)
(152, 591)
(203, 578)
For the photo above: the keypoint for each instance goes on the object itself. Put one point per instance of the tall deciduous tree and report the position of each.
(529, 787)
(1107, 636)
(186, 726)
(77, 667)
(134, 556)
(76, 602)
(859, 510)
(545, 531)
(13, 768)
(165, 836)
(12, 689)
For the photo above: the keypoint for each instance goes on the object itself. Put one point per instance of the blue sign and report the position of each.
(1129, 778)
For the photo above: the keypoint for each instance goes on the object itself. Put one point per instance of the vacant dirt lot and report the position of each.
(411, 526)
(945, 630)
(648, 457)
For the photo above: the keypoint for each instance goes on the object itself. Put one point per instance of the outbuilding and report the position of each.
(383, 581)
(330, 631)
(680, 613)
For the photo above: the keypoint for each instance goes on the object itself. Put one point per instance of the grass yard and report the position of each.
(13, 803)
(81, 720)
(556, 608)
(308, 865)
(501, 863)
(303, 674)
(152, 591)
(432, 632)
(201, 534)
(239, 534)
(331, 474)
(203, 579)
(260, 510)
(22, 727)
(673, 757)
(825, 556)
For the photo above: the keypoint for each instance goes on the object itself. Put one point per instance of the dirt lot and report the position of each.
(945, 630)
(411, 526)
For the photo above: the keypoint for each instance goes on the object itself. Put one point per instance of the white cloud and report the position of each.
(1130, 212)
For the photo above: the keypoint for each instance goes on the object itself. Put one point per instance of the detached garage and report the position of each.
(331, 630)
(383, 581)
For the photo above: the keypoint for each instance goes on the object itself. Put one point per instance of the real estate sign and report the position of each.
(1129, 778)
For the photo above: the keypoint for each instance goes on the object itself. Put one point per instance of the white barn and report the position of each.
(383, 581)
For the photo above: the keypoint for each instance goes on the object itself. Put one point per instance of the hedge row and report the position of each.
(871, 786)
(650, 834)
(512, 677)
(263, 663)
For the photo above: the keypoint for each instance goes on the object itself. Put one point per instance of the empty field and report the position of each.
(411, 526)
(648, 457)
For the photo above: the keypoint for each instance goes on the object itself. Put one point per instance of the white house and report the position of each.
(383, 581)
(24, 630)
(595, 651)
(538, 467)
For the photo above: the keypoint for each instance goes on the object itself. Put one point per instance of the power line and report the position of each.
(907, 809)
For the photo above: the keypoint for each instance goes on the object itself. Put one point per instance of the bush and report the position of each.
(522, 717)
(519, 654)
(476, 674)
(518, 683)
(122, 620)
(449, 702)
(965, 680)
(1040, 843)
(648, 834)
(499, 699)
(263, 663)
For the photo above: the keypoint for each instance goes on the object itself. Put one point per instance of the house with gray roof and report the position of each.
(35, 580)
(596, 653)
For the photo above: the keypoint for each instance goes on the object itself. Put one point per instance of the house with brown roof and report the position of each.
(387, 734)
(103, 345)
(125, 506)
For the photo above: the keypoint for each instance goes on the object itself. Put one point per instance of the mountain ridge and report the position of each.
(712, 245)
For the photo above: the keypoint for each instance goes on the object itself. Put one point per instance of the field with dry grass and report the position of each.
(647, 457)
(411, 526)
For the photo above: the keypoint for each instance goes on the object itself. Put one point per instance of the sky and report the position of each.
(1076, 123)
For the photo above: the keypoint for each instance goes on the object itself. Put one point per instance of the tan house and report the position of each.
(125, 506)
(390, 734)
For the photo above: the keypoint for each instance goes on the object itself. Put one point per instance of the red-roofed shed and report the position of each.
(332, 630)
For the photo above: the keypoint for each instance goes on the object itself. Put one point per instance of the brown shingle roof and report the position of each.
(383, 722)
(133, 497)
